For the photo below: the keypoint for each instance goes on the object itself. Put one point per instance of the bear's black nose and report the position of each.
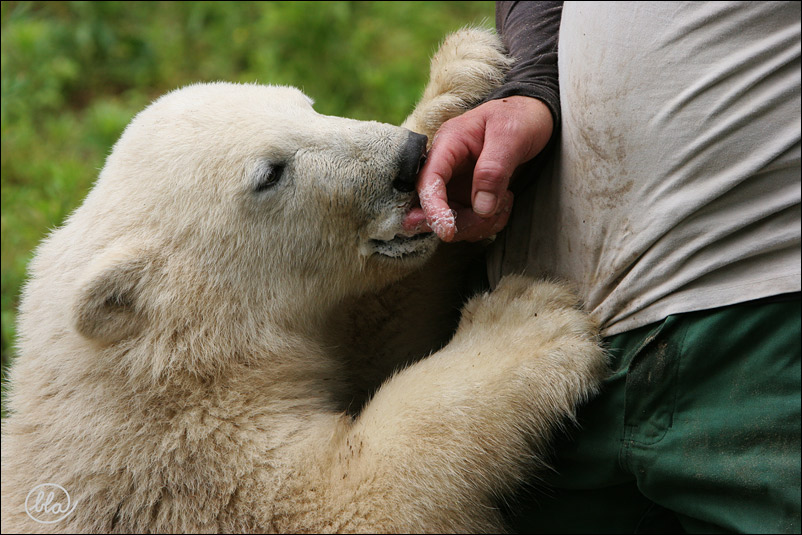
(413, 154)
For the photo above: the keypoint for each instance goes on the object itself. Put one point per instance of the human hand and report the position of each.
(469, 166)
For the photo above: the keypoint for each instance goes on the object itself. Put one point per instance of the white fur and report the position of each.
(181, 337)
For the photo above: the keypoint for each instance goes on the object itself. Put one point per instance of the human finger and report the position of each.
(516, 129)
(472, 227)
(457, 143)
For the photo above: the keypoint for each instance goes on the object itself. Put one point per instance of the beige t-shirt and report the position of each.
(676, 183)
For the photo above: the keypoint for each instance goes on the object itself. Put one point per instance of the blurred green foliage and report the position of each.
(75, 73)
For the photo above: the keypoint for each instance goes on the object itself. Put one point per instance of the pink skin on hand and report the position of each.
(439, 217)
(473, 155)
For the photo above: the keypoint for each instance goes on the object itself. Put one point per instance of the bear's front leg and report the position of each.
(467, 67)
(441, 438)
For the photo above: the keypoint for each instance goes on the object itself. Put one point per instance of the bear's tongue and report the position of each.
(442, 222)
(414, 221)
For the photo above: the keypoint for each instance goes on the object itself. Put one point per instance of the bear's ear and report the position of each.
(110, 304)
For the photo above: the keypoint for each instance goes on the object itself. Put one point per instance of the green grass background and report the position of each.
(75, 73)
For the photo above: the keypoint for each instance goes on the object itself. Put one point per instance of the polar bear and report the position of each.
(177, 370)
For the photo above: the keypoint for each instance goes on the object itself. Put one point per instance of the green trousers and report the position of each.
(696, 430)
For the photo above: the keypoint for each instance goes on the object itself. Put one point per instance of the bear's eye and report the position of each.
(266, 176)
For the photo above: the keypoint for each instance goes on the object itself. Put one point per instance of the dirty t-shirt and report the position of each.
(675, 184)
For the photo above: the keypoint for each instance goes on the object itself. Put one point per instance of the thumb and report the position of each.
(491, 176)
(516, 129)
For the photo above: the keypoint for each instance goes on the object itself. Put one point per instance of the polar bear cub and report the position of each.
(173, 375)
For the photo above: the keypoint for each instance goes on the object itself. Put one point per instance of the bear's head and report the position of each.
(226, 211)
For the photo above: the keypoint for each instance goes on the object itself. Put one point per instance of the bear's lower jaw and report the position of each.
(404, 247)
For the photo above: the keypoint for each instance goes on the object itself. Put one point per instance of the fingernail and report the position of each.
(484, 203)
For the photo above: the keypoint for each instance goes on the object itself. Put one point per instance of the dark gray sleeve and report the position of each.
(529, 31)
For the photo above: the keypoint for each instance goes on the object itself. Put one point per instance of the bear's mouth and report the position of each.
(404, 246)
